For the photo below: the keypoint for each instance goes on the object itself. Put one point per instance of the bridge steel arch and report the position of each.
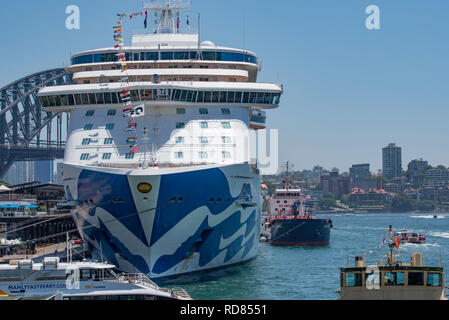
(26, 131)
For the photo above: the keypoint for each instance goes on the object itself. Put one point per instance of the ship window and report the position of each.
(90, 113)
(215, 96)
(245, 98)
(108, 141)
(433, 279)
(88, 126)
(252, 97)
(225, 125)
(99, 97)
(353, 279)
(129, 155)
(92, 99)
(203, 139)
(223, 96)
(166, 55)
(208, 55)
(226, 139)
(259, 98)
(179, 140)
(107, 97)
(203, 111)
(106, 156)
(179, 155)
(114, 97)
(64, 100)
(183, 95)
(151, 56)
(394, 278)
(200, 96)
(84, 156)
(267, 98)
(202, 155)
(194, 96)
(176, 94)
(110, 126)
(226, 154)
(43, 101)
(189, 96)
(86, 141)
(180, 111)
(71, 100)
(112, 112)
(78, 99)
(135, 95)
(203, 125)
(85, 98)
(180, 125)
(207, 96)
(57, 100)
(231, 95)
(416, 278)
(183, 55)
(238, 97)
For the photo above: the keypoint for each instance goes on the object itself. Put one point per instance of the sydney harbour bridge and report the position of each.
(28, 133)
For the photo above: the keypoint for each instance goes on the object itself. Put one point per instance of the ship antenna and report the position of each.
(287, 166)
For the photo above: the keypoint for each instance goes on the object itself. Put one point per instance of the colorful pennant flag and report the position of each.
(134, 150)
(131, 140)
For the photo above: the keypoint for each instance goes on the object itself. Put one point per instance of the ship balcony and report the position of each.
(257, 119)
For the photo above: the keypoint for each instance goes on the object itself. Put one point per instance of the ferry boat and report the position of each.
(406, 236)
(82, 280)
(155, 156)
(290, 222)
(393, 280)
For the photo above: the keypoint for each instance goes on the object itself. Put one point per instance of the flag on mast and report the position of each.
(146, 17)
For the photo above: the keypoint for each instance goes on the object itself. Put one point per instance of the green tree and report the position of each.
(327, 203)
(403, 203)
(426, 205)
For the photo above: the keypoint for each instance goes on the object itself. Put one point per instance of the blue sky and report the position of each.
(349, 91)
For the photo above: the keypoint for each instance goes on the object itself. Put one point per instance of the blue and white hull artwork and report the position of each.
(166, 222)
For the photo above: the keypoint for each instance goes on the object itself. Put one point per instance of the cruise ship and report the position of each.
(156, 157)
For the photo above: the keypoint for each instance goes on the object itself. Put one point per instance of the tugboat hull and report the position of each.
(299, 232)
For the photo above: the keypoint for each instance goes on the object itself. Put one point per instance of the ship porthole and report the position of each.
(144, 187)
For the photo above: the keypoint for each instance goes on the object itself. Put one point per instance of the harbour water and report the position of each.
(301, 273)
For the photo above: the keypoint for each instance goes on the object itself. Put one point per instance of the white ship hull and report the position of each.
(193, 219)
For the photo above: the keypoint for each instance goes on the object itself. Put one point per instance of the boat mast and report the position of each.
(287, 166)
(167, 10)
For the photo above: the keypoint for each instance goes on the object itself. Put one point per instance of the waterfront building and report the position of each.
(335, 184)
(370, 198)
(436, 178)
(359, 171)
(361, 177)
(391, 161)
(415, 168)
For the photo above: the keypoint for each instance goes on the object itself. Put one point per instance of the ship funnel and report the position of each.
(416, 260)
(359, 262)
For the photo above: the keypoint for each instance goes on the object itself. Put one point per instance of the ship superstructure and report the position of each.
(172, 191)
